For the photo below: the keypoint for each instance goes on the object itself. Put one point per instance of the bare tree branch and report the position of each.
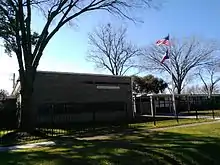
(185, 56)
(209, 78)
(110, 50)
(18, 37)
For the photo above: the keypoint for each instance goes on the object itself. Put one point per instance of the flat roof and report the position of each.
(71, 73)
(74, 73)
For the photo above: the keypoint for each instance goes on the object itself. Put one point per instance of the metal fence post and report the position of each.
(213, 113)
(177, 103)
(213, 107)
(196, 114)
(154, 111)
(177, 116)
(52, 117)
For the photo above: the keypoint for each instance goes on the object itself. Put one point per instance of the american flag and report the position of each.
(164, 41)
(165, 57)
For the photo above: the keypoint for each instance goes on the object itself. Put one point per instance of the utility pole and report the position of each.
(13, 80)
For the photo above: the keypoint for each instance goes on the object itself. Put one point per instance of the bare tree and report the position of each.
(209, 77)
(184, 58)
(15, 30)
(109, 50)
(194, 89)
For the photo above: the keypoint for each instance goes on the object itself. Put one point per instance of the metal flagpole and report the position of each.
(173, 86)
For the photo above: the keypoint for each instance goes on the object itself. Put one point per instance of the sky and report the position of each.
(68, 49)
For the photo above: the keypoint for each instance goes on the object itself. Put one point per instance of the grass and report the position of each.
(203, 113)
(4, 132)
(193, 145)
(168, 123)
(12, 137)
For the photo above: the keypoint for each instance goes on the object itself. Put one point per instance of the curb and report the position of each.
(26, 146)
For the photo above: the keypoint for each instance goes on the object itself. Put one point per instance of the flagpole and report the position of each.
(172, 82)
(166, 41)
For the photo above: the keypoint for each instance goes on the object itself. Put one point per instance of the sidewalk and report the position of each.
(185, 125)
(183, 116)
(106, 137)
(26, 146)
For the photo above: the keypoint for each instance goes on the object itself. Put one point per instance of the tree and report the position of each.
(209, 78)
(28, 46)
(3, 94)
(138, 84)
(149, 84)
(193, 89)
(184, 58)
(110, 50)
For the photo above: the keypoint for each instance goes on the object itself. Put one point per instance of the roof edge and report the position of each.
(75, 73)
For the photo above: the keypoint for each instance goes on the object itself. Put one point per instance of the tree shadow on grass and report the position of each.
(88, 131)
(130, 148)
(19, 137)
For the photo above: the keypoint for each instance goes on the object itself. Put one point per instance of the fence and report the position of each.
(191, 106)
(61, 119)
(69, 114)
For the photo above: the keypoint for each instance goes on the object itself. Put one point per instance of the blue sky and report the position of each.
(180, 18)
(67, 50)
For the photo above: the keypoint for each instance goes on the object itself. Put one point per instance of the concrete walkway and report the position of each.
(106, 137)
(26, 146)
(183, 117)
(185, 125)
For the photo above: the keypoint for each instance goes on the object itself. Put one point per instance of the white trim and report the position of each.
(85, 74)
(107, 87)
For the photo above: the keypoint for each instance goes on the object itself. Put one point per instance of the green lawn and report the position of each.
(204, 113)
(4, 132)
(193, 145)
(12, 138)
(167, 123)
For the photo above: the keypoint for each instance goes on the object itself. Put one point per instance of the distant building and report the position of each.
(149, 104)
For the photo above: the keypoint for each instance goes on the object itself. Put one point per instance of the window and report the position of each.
(107, 87)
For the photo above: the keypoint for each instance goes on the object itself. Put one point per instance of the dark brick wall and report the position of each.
(8, 114)
(52, 87)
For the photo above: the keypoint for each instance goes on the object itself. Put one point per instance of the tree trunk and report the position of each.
(27, 118)
(178, 90)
